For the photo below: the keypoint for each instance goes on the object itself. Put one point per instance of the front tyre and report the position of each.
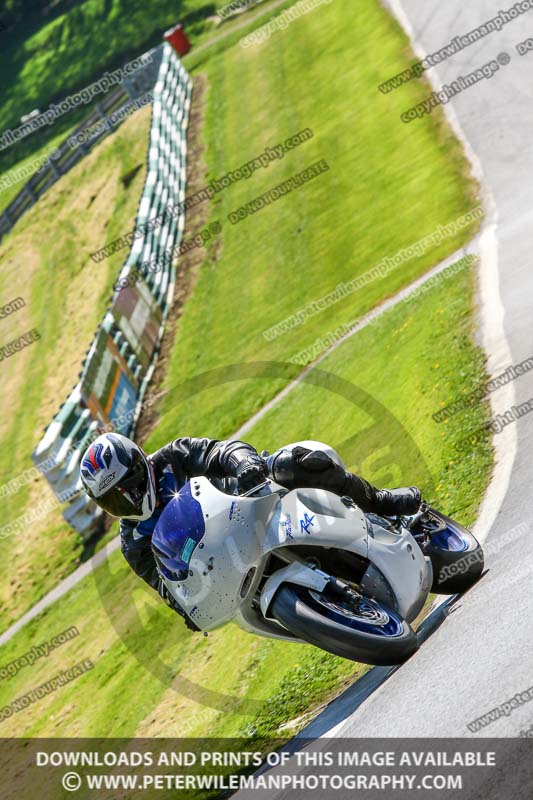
(366, 632)
(456, 555)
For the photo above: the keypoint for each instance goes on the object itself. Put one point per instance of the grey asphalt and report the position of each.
(479, 652)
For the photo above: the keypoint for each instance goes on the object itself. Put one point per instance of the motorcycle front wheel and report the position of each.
(366, 631)
(456, 555)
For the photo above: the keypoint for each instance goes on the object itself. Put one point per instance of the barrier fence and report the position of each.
(122, 356)
(104, 119)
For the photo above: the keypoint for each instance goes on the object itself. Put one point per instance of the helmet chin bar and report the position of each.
(148, 504)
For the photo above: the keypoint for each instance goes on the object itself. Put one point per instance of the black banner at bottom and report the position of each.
(326, 769)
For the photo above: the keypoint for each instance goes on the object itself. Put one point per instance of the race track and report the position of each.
(480, 656)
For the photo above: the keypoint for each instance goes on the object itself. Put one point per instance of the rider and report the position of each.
(118, 475)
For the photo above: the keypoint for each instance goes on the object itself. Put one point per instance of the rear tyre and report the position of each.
(369, 633)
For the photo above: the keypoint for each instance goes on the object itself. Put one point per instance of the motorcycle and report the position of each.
(308, 566)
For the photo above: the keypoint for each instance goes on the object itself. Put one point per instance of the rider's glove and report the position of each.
(251, 472)
(397, 502)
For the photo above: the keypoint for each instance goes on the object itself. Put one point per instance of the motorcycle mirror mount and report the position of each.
(256, 488)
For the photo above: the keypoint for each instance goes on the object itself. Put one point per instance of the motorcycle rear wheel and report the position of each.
(370, 633)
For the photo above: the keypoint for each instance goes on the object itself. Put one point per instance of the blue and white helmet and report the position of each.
(119, 477)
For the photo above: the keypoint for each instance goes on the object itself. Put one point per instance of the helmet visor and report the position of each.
(125, 498)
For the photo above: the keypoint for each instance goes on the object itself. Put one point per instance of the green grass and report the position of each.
(397, 370)
(50, 53)
(10, 192)
(47, 56)
(389, 185)
(46, 261)
(154, 678)
(366, 207)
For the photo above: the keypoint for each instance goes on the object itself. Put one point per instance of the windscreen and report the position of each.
(177, 533)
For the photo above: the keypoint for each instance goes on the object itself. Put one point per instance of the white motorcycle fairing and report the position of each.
(226, 544)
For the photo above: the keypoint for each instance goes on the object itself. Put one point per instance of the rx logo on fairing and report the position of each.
(287, 524)
(306, 523)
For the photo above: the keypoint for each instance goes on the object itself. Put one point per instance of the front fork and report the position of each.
(423, 525)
